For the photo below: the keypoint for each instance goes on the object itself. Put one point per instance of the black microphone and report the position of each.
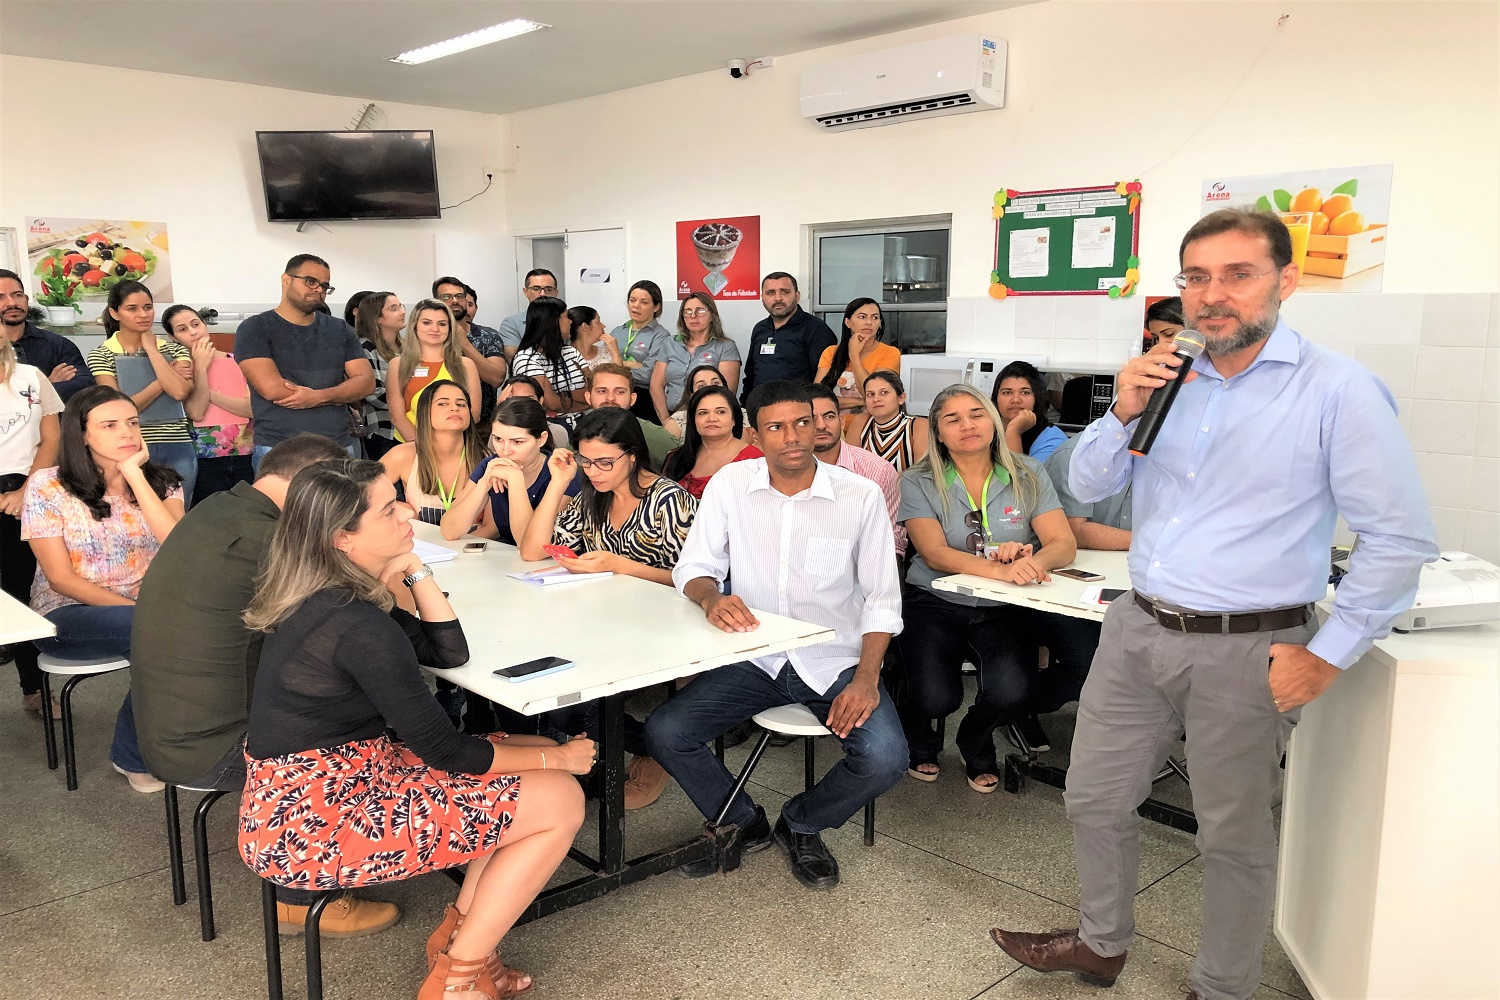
(1189, 344)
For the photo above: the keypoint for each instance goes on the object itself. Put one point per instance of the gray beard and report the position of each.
(1248, 335)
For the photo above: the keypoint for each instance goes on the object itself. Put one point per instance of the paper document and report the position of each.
(430, 553)
(1094, 242)
(554, 575)
(1028, 253)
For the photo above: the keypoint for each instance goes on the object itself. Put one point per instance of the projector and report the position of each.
(1458, 589)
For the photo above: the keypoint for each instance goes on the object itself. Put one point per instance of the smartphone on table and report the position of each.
(1109, 594)
(1074, 573)
(532, 669)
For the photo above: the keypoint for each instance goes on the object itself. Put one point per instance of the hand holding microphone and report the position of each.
(1147, 386)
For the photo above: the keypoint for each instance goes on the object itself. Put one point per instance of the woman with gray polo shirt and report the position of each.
(973, 506)
(640, 340)
(700, 340)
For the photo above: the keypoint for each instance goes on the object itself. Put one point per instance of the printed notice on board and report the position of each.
(1028, 253)
(1093, 242)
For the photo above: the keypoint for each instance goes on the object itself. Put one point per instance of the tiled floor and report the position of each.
(86, 911)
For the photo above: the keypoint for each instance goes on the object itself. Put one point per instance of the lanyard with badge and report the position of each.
(630, 332)
(980, 541)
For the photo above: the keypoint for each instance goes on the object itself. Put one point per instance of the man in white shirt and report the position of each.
(829, 446)
(808, 541)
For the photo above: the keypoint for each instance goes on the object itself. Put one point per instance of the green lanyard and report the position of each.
(630, 332)
(445, 494)
(997, 474)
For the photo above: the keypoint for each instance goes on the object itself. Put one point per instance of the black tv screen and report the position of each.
(324, 176)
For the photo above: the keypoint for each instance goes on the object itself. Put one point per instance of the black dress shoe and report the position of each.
(755, 837)
(782, 739)
(812, 864)
(739, 733)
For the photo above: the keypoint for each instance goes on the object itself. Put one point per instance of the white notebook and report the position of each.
(430, 553)
(555, 575)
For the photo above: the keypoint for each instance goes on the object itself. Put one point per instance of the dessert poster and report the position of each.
(720, 257)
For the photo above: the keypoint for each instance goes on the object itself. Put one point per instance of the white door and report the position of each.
(595, 263)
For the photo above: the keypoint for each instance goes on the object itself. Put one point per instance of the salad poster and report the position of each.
(79, 260)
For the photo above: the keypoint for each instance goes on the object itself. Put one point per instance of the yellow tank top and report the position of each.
(417, 385)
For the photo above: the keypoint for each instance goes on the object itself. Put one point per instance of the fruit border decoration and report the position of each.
(1130, 190)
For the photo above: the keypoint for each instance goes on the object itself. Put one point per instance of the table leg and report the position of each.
(612, 788)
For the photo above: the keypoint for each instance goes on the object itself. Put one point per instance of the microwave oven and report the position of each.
(926, 375)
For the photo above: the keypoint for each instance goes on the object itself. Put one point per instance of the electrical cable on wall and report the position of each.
(1228, 96)
(488, 180)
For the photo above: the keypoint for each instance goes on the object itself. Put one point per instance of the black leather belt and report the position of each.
(1228, 623)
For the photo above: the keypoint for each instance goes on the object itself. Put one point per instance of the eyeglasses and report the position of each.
(603, 464)
(312, 283)
(975, 542)
(542, 289)
(453, 297)
(1200, 282)
(695, 312)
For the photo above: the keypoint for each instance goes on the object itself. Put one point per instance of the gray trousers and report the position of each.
(1147, 686)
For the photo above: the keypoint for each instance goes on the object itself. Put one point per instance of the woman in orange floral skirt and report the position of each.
(332, 801)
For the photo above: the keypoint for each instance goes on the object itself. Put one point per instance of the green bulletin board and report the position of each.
(1067, 241)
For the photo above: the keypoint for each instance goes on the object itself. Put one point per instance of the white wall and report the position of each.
(182, 150)
(1101, 92)
(1098, 92)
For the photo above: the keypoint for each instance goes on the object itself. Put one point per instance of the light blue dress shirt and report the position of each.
(1236, 505)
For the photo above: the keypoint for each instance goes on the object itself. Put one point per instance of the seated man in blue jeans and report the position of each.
(813, 542)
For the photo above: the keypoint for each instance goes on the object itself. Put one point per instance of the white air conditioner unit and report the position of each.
(944, 76)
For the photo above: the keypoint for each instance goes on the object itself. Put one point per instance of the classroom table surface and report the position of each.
(621, 633)
(1060, 595)
(18, 623)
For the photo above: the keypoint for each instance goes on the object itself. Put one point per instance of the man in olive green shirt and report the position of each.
(192, 660)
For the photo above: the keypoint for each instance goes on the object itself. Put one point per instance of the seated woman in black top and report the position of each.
(331, 800)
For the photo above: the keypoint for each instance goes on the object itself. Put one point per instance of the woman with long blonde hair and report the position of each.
(434, 468)
(431, 350)
(350, 611)
(973, 506)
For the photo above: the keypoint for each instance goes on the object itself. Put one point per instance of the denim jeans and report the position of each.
(678, 733)
(354, 450)
(85, 632)
(182, 456)
(215, 475)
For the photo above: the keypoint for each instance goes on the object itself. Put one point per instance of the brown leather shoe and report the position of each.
(1059, 951)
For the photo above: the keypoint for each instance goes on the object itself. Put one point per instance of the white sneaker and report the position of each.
(140, 782)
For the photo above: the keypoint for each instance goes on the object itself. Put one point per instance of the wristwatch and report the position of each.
(417, 577)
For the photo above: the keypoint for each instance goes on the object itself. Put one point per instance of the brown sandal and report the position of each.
(479, 984)
(507, 979)
(442, 937)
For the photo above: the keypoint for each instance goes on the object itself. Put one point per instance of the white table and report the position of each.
(1063, 596)
(622, 634)
(1389, 886)
(1060, 595)
(18, 623)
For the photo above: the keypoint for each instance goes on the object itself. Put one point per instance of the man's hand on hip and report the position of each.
(1297, 676)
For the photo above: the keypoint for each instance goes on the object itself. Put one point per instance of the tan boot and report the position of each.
(347, 916)
(442, 937)
(645, 780)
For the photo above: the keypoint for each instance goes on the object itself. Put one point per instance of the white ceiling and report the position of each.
(340, 47)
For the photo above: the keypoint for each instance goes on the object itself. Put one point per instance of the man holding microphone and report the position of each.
(1269, 440)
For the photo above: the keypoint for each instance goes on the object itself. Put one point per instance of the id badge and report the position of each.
(768, 348)
(991, 549)
(419, 372)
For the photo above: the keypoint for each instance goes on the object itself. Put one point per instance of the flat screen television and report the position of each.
(327, 176)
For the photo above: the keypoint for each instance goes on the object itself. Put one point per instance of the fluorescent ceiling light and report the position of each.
(463, 43)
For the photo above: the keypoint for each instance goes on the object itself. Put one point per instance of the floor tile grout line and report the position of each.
(1157, 881)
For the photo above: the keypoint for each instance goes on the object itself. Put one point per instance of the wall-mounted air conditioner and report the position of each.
(944, 76)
